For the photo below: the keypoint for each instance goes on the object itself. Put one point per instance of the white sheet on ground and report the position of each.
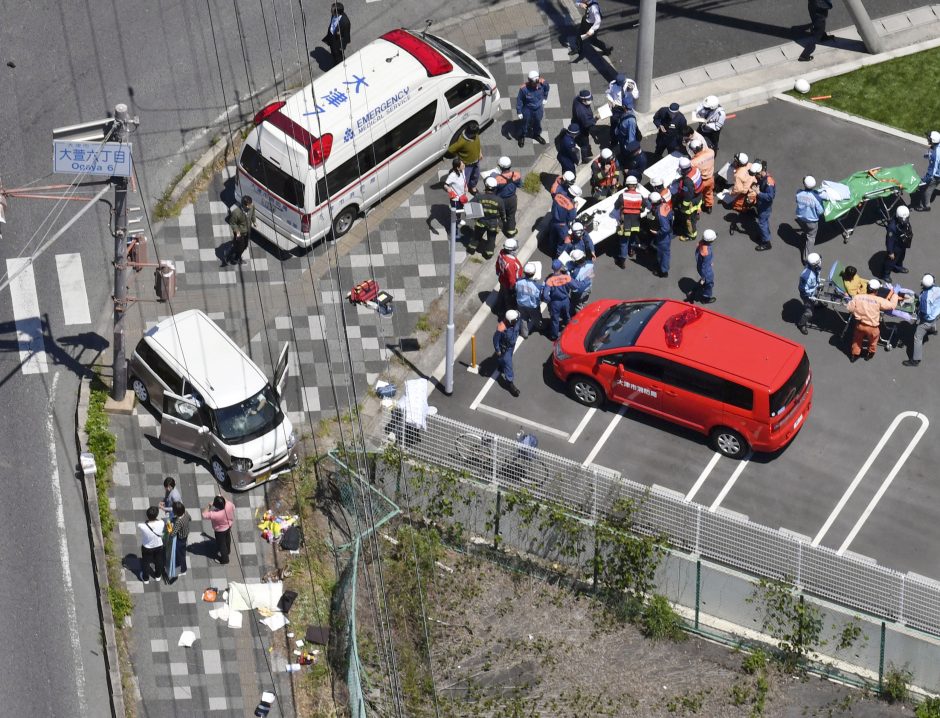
(250, 596)
(275, 621)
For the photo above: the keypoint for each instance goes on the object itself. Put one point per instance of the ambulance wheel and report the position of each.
(729, 442)
(586, 391)
(343, 222)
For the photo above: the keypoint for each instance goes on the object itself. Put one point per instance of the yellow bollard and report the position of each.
(473, 351)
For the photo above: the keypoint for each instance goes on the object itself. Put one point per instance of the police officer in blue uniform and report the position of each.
(931, 178)
(581, 271)
(662, 233)
(569, 155)
(582, 115)
(504, 343)
(530, 103)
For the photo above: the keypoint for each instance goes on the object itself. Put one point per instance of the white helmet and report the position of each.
(814, 260)
(577, 227)
(709, 236)
(575, 190)
(606, 154)
(632, 181)
(756, 168)
(710, 103)
(534, 75)
(504, 163)
(902, 212)
(934, 138)
(512, 315)
(529, 269)
(696, 145)
(684, 163)
(577, 255)
(809, 182)
(655, 198)
(741, 158)
(874, 284)
(491, 183)
(568, 176)
(657, 182)
(510, 245)
(927, 281)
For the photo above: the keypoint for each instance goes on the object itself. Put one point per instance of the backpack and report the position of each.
(290, 539)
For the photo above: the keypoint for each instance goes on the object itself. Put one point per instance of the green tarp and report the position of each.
(868, 184)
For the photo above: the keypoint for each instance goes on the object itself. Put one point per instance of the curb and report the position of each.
(854, 119)
(473, 14)
(99, 559)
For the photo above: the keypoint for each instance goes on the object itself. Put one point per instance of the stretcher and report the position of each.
(833, 295)
(881, 185)
(600, 217)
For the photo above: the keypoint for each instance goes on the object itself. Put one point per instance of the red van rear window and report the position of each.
(434, 62)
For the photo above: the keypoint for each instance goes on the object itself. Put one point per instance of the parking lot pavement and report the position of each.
(848, 480)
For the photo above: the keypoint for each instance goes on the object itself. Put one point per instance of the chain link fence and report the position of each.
(504, 466)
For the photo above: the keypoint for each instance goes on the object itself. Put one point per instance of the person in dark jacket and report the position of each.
(633, 161)
(818, 14)
(898, 238)
(569, 154)
(180, 529)
(241, 220)
(670, 124)
(582, 115)
(493, 219)
(337, 34)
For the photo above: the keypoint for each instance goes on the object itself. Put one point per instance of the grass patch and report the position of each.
(102, 444)
(461, 282)
(900, 92)
(532, 183)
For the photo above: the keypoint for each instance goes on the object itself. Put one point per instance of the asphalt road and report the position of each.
(855, 404)
(697, 32)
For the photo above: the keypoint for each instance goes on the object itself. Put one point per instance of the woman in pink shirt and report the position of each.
(221, 513)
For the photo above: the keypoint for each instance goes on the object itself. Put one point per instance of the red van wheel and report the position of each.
(729, 442)
(586, 391)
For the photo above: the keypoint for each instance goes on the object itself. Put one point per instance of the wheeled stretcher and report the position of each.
(833, 294)
(881, 185)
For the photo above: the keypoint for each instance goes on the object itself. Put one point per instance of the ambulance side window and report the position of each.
(463, 91)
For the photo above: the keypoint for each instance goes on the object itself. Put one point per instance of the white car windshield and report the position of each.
(249, 419)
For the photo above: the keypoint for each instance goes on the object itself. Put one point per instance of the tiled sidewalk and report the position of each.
(262, 304)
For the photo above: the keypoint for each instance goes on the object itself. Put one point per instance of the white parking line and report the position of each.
(605, 436)
(865, 468)
(72, 286)
(584, 422)
(32, 345)
(704, 475)
(924, 423)
(728, 484)
(521, 420)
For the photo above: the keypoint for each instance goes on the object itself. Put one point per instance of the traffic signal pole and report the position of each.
(646, 39)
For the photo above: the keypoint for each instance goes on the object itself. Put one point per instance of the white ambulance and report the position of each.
(314, 163)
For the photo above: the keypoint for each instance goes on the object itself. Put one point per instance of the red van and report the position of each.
(743, 387)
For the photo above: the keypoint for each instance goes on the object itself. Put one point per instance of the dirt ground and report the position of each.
(506, 644)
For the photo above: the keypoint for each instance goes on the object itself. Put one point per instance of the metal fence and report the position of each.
(501, 464)
(364, 510)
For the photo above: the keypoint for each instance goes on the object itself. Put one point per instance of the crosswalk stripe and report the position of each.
(72, 285)
(32, 346)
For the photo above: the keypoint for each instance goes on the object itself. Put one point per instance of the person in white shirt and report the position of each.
(622, 94)
(456, 186)
(151, 546)
(712, 115)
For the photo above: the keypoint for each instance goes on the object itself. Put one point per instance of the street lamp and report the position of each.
(471, 210)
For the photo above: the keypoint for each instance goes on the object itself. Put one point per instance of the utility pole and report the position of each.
(119, 367)
(646, 39)
(865, 27)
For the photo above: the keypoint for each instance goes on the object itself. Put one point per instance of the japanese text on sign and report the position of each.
(111, 159)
